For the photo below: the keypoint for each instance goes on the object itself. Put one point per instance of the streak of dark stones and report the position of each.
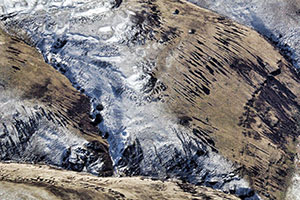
(131, 158)
(16, 68)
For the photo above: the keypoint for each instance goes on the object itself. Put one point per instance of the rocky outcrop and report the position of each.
(42, 182)
(43, 119)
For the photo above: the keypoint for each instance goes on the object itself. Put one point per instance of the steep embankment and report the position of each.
(42, 182)
(43, 118)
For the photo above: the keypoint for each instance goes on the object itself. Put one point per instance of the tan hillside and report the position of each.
(24, 70)
(223, 81)
(232, 89)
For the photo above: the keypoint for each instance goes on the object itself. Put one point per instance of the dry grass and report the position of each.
(219, 76)
(24, 71)
(63, 184)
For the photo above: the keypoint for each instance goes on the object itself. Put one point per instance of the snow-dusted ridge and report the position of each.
(277, 20)
(96, 47)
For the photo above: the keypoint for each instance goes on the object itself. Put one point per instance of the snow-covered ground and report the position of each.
(27, 134)
(95, 46)
(293, 191)
(276, 19)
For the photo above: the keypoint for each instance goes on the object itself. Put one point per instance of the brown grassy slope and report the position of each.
(51, 183)
(24, 72)
(231, 88)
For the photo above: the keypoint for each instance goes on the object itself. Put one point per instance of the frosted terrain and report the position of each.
(105, 55)
(31, 134)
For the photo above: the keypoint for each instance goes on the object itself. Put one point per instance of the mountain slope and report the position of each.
(187, 93)
(43, 118)
(277, 20)
(234, 91)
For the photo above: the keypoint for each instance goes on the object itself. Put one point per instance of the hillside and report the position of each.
(43, 118)
(185, 93)
(276, 20)
(234, 91)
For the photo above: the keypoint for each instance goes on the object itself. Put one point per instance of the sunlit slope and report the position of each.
(277, 20)
(233, 90)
